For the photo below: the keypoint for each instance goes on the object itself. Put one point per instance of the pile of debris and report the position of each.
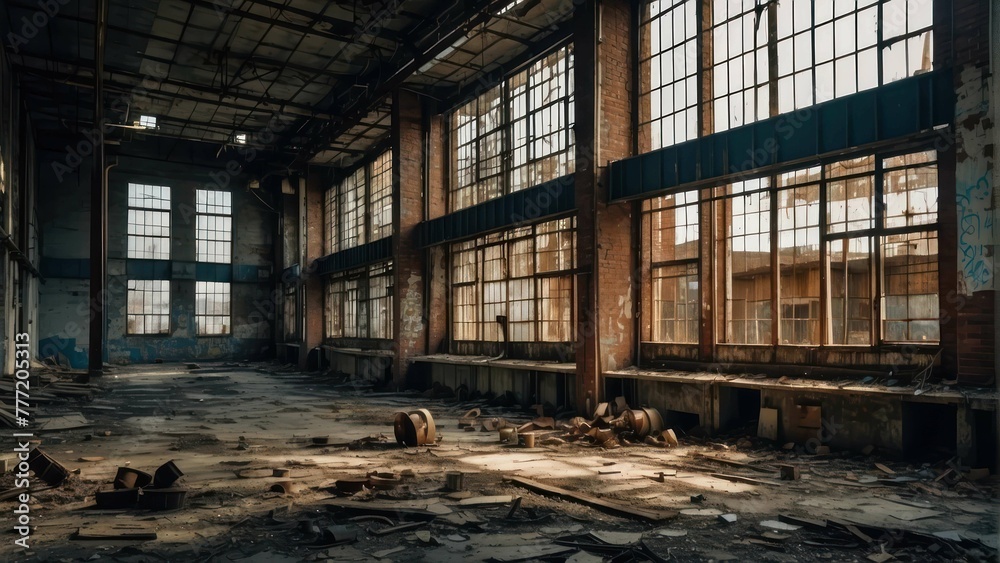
(47, 383)
(613, 425)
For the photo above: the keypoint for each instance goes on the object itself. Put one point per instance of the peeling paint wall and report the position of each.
(974, 182)
(19, 289)
(64, 300)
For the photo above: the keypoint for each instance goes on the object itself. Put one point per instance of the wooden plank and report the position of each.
(735, 463)
(394, 529)
(594, 502)
(477, 501)
(114, 533)
(741, 479)
(767, 424)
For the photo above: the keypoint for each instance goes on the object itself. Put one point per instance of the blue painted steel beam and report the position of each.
(375, 251)
(518, 208)
(852, 123)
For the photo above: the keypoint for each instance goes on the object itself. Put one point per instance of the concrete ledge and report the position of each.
(359, 351)
(985, 399)
(530, 365)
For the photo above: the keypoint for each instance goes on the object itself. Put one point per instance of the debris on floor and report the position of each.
(620, 485)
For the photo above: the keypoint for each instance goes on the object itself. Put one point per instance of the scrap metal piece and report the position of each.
(384, 481)
(469, 419)
(129, 478)
(415, 428)
(352, 485)
(117, 498)
(454, 480)
(643, 422)
(285, 487)
(166, 475)
(162, 499)
(46, 468)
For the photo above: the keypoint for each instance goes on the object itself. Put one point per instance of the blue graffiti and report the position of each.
(976, 225)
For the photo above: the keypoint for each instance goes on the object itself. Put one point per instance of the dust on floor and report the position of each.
(228, 428)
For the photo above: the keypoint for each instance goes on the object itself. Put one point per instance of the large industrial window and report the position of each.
(290, 311)
(874, 218)
(669, 62)
(760, 58)
(380, 188)
(214, 230)
(748, 265)
(212, 313)
(148, 307)
(352, 204)
(330, 223)
(148, 222)
(358, 209)
(334, 312)
(524, 274)
(515, 135)
(359, 303)
(740, 64)
(670, 228)
(798, 257)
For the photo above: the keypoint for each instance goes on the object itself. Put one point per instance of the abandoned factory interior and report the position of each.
(499, 280)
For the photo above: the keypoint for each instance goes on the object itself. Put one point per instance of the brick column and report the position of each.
(311, 286)
(409, 324)
(968, 199)
(439, 302)
(606, 284)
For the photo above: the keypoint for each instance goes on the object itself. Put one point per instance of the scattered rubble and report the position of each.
(594, 488)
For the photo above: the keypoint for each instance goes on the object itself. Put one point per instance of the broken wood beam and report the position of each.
(741, 479)
(608, 506)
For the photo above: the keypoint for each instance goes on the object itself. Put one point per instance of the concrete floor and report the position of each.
(196, 418)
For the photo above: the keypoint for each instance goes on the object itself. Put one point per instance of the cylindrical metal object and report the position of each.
(454, 480)
(528, 439)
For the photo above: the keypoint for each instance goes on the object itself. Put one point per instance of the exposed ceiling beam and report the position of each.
(220, 7)
(183, 90)
(436, 36)
(342, 27)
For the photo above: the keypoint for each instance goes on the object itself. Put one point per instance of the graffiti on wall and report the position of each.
(974, 186)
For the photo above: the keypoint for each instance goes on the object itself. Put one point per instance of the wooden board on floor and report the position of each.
(594, 502)
(119, 532)
(767, 424)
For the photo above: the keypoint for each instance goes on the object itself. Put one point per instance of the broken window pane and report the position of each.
(748, 249)
(735, 97)
(148, 307)
(526, 275)
(212, 308)
(798, 257)
(379, 301)
(910, 307)
(676, 305)
(148, 222)
(850, 291)
(380, 196)
(515, 135)
(214, 226)
(850, 195)
(674, 227)
(669, 60)
(910, 190)
(352, 207)
(334, 304)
